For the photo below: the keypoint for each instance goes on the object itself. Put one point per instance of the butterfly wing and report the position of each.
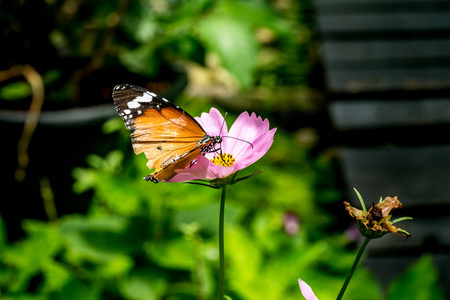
(168, 136)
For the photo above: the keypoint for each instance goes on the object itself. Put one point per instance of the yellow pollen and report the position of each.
(224, 160)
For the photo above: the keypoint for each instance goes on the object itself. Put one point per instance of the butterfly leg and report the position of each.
(192, 163)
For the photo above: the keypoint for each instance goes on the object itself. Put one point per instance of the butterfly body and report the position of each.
(168, 136)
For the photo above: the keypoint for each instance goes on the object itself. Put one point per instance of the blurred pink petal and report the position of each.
(291, 223)
(307, 292)
(246, 130)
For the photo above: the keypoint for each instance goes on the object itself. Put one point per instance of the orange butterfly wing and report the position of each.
(168, 136)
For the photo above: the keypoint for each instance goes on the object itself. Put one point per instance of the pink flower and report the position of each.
(307, 292)
(236, 148)
(291, 223)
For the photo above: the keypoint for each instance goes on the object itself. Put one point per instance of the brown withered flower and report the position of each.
(376, 222)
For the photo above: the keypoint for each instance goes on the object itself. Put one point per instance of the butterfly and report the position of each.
(169, 137)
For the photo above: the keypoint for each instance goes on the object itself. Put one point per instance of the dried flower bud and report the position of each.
(376, 222)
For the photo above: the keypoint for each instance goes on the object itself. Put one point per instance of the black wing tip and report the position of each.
(124, 86)
(120, 86)
(151, 178)
(127, 86)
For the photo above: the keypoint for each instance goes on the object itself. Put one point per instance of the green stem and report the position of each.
(355, 263)
(221, 245)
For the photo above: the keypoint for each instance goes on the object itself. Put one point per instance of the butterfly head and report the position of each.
(211, 142)
(216, 139)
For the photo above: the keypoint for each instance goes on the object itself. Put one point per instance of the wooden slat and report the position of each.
(384, 22)
(372, 114)
(421, 229)
(379, 50)
(354, 81)
(348, 7)
(386, 269)
(420, 176)
(384, 2)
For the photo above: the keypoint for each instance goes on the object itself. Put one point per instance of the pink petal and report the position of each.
(199, 170)
(260, 147)
(203, 169)
(307, 292)
(247, 128)
(213, 123)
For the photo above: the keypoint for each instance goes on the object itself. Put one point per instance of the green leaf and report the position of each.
(28, 256)
(144, 284)
(234, 42)
(176, 253)
(76, 289)
(140, 23)
(419, 282)
(401, 219)
(244, 257)
(85, 179)
(116, 267)
(142, 60)
(207, 217)
(15, 90)
(363, 205)
(55, 275)
(363, 286)
(254, 13)
(112, 125)
(102, 239)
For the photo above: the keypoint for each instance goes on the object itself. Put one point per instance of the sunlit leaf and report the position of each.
(176, 253)
(234, 42)
(144, 284)
(206, 217)
(142, 60)
(55, 276)
(118, 266)
(140, 22)
(418, 282)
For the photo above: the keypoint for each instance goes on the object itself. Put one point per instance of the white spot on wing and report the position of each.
(146, 97)
(127, 111)
(133, 104)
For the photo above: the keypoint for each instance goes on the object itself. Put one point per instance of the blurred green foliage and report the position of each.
(144, 241)
(260, 43)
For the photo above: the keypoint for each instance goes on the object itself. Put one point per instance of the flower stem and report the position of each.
(221, 245)
(355, 263)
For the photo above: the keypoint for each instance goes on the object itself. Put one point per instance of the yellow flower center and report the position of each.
(224, 160)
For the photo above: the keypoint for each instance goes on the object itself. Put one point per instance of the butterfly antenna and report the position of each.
(220, 134)
(232, 137)
(223, 124)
